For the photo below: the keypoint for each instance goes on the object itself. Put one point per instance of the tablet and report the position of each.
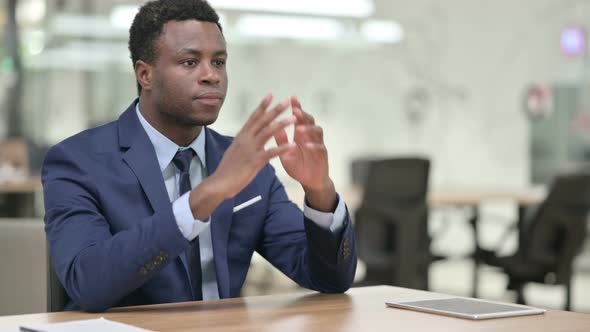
(467, 308)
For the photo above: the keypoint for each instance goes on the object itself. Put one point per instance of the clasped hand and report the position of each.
(305, 159)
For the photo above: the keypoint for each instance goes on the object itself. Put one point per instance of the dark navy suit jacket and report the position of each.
(114, 240)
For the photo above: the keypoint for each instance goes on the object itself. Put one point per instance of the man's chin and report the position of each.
(193, 122)
(204, 116)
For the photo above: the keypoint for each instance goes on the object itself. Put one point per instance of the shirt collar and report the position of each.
(165, 148)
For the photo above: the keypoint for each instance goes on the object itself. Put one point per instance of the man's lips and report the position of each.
(210, 98)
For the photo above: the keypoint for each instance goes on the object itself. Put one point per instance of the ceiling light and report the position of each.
(31, 11)
(122, 16)
(307, 28)
(345, 8)
(380, 31)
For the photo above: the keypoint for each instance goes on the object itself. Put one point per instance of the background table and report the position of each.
(470, 197)
(473, 199)
(26, 185)
(360, 309)
(19, 197)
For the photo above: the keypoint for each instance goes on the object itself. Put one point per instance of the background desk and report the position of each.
(360, 309)
(26, 185)
(18, 197)
(471, 198)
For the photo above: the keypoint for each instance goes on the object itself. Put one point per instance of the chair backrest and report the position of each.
(397, 181)
(359, 169)
(557, 231)
(57, 297)
(22, 271)
(391, 223)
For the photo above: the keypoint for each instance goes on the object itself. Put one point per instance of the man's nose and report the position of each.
(208, 74)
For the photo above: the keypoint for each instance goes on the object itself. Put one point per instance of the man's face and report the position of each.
(189, 74)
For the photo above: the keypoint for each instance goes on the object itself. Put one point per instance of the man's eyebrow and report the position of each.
(193, 51)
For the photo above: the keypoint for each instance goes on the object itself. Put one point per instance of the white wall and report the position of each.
(474, 59)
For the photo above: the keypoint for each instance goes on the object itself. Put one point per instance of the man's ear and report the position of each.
(143, 74)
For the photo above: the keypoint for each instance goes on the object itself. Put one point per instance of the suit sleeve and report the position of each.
(95, 267)
(311, 255)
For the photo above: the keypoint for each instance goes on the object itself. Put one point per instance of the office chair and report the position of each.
(22, 266)
(359, 170)
(554, 237)
(57, 297)
(391, 223)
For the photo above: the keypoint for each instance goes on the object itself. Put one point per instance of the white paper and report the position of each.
(89, 325)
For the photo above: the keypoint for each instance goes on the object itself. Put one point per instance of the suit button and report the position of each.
(150, 266)
(345, 249)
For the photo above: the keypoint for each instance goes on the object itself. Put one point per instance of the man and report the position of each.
(156, 207)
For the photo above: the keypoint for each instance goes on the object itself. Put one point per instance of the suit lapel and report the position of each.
(141, 158)
(220, 220)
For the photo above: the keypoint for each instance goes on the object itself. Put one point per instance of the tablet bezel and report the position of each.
(526, 310)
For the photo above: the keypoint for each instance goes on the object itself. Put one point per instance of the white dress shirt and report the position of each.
(191, 227)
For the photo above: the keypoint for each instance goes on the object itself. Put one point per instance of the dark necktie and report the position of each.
(182, 160)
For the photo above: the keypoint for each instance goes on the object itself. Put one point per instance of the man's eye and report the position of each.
(219, 63)
(189, 63)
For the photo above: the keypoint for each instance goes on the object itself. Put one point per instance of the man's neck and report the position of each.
(181, 135)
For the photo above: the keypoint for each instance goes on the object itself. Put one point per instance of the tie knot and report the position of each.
(182, 159)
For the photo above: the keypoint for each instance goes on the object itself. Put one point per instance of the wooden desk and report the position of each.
(27, 185)
(360, 309)
(444, 197)
(474, 197)
(19, 197)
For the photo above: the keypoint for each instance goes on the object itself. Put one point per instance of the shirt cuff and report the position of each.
(334, 221)
(188, 225)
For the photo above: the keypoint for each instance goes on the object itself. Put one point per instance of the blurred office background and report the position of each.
(494, 95)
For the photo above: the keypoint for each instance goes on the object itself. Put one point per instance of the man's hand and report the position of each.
(308, 161)
(243, 159)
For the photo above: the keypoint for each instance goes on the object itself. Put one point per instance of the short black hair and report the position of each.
(150, 20)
